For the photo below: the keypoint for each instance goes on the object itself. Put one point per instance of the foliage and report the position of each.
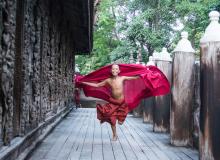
(104, 40)
(194, 16)
(129, 26)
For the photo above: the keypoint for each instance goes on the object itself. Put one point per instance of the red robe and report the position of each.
(152, 82)
(112, 111)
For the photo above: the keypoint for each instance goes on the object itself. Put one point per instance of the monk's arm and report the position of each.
(100, 84)
(131, 78)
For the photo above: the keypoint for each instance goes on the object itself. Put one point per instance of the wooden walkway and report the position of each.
(81, 137)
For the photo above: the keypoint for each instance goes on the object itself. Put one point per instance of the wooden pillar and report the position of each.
(210, 90)
(1, 70)
(196, 106)
(149, 102)
(148, 109)
(19, 46)
(161, 115)
(138, 111)
(7, 70)
(156, 56)
(182, 93)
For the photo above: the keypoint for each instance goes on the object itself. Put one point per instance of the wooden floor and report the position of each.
(81, 137)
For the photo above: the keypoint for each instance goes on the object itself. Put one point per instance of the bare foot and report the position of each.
(120, 122)
(114, 138)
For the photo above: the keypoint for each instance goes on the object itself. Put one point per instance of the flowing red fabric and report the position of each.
(152, 82)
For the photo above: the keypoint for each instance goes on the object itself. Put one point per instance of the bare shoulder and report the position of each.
(123, 77)
(108, 80)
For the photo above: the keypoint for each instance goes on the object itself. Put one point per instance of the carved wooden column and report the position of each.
(36, 64)
(1, 70)
(18, 74)
(7, 72)
(182, 93)
(161, 118)
(196, 106)
(210, 90)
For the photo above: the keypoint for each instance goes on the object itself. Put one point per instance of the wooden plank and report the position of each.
(117, 148)
(160, 141)
(83, 138)
(86, 153)
(158, 148)
(106, 142)
(51, 139)
(193, 154)
(145, 148)
(55, 150)
(97, 152)
(77, 147)
(127, 148)
(153, 137)
(65, 151)
(134, 144)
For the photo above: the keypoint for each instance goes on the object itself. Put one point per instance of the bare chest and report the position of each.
(116, 84)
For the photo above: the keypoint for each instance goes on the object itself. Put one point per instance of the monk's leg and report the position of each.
(114, 134)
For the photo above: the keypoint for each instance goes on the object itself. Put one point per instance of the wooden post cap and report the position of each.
(212, 32)
(156, 55)
(151, 61)
(184, 45)
(164, 55)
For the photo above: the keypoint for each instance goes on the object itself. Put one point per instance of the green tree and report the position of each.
(194, 16)
(105, 39)
(150, 28)
(127, 26)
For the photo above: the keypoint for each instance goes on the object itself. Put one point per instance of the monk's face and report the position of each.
(115, 70)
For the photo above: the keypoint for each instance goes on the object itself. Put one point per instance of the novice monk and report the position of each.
(77, 97)
(117, 109)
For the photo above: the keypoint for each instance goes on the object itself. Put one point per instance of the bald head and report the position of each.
(115, 65)
(115, 69)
